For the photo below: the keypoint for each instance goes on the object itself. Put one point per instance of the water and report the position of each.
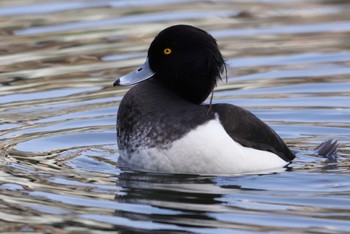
(288, 63)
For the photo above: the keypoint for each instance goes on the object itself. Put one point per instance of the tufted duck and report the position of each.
(162, 125)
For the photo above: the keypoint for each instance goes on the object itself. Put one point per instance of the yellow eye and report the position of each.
(167, 51)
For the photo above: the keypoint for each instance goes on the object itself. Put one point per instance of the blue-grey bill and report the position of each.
(142, 73)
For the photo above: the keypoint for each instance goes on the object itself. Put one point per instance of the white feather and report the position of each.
(208, 149)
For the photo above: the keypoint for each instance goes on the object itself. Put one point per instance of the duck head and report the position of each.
(185, 59)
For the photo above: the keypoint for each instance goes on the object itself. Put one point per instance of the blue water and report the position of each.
(288, 63)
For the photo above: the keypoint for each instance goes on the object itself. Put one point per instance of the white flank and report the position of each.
(208, 149)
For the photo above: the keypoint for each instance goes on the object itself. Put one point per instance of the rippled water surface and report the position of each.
(288, 62)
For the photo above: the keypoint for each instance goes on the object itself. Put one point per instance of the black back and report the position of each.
(248, 130)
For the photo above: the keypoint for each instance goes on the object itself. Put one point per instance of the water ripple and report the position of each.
(288, 62)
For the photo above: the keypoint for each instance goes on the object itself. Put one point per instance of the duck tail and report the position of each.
(328, 149)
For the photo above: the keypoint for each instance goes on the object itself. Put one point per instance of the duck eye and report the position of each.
(167, 51)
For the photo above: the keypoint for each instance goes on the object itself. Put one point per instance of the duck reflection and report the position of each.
(181, 201)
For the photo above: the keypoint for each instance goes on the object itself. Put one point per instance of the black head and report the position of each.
(187, 60)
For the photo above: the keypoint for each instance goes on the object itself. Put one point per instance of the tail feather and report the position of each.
(328, 149)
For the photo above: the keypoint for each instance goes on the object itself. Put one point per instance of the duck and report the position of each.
(164, 126)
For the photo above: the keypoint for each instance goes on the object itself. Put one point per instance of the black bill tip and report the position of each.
(116, 83)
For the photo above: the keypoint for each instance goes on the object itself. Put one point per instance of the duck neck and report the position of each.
(195, 89)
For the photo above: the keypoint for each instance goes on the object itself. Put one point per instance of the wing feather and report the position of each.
(248, 130)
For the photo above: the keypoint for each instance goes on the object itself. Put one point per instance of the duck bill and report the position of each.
(142, 73)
